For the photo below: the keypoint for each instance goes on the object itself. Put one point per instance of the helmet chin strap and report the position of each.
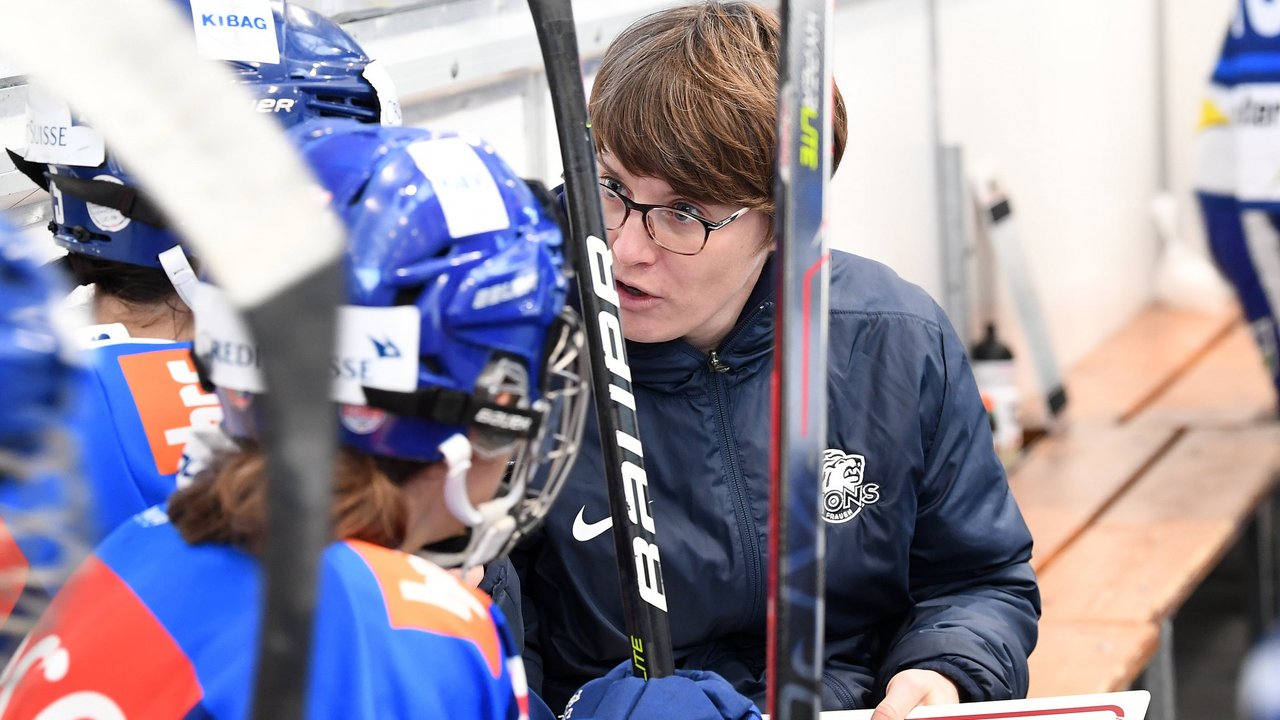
(491, 524)
(178, 268)
(457, 458)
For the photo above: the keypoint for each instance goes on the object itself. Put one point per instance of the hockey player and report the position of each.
(930, 594)
(453, 275)
(146, 402)
(1238, 173)
(459, 358)
(43, 533)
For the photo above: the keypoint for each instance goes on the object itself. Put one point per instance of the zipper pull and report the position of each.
(716, 364)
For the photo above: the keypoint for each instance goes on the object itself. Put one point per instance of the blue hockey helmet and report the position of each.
(456, 330)
(319, 71)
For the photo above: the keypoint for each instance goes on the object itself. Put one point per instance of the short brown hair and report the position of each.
(689, 95)
(228, 503)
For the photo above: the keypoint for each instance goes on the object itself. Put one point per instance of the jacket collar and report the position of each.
(675, 365)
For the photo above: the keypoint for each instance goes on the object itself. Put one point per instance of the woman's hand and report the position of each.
(470, 578)
(911, 688)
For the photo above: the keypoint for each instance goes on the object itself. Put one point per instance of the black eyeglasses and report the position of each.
(677, 231)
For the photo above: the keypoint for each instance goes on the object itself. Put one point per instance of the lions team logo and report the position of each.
(844, 493)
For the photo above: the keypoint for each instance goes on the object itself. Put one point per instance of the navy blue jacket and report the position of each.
(928, 568)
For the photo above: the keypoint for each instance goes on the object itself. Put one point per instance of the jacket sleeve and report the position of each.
(502, 583)
(977, 602)
(520, 609)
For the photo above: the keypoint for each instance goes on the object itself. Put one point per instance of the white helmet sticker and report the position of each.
(108, 219)
(468, 194)
(376, 347)
(52, 136)
(55, 195)
(239, 30)
(223, 341)
(388, 99)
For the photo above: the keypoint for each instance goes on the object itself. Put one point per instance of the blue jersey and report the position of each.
(143, 403)
(44, 535)
(1249, 50)
(44, 523)
(136, 404)
(1238, 168)
(1240, 118)
(150, 627)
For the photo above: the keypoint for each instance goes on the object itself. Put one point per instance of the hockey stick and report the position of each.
(796, 540)
(186, 130)
(996, 217)
(644, 601)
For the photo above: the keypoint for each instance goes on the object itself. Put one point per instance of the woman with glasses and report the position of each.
(930, 595)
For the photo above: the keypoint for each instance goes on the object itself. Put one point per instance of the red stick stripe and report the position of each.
(1053, 712)
(804, 355)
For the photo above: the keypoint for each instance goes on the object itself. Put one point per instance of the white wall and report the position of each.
(1058, 97)
(883, 195)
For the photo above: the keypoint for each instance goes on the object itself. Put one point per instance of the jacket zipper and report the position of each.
(746, 522)
(742, 509)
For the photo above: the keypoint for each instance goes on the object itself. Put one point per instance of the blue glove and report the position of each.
(689, 695)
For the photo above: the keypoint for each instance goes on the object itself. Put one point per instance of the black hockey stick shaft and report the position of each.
(796, 539)
(292, 331)
(644, 602)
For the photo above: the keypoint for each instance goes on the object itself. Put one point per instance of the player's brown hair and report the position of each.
(689, 95)
(227, 503)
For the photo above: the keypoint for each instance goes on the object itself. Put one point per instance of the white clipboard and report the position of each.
(1129, 705)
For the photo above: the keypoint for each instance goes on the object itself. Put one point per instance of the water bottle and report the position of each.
(997, 378)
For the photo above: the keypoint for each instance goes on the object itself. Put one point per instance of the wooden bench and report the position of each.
(1067, 480)
(1063, 485)
(1133, 367)
(1149, 549)
(1123, 500)
(1225, 388)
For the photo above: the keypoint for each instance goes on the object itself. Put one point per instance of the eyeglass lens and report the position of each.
(670, 228)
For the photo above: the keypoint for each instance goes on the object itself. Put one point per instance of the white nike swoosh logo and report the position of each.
(584, 531)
